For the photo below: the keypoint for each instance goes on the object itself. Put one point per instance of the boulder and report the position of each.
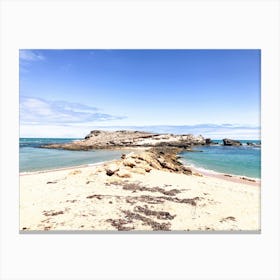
(187, 170)
(230, 142)
(138, 170)
(129, 162)
(123, 173)
(111, 169)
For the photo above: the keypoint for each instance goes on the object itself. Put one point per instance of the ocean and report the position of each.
(244, 160)
(237, 160)
(34, 158)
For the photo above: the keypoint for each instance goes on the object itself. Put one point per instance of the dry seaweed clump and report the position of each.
(161, 215)
(131, 216)
(136, 186)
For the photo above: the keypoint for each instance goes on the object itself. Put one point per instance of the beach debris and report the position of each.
(208, 228)
(191, 201)
(150, 199)
(230, 218)
(161, 215)
(161, 199)
(47, 228)
(75, 172)
(88, 182)
(52, 213)
(144, 198)
(119, 224)
(98, 196)
(72, 201)
(131, 216)
(247, 179)
(136, 186)
(51, 182)
(227, 175)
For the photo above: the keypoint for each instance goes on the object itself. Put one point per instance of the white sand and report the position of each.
(63, 203)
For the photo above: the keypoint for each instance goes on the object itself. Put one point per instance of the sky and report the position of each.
(67, 93)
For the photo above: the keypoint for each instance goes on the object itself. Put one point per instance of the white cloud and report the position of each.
(30, 55)
(39, 111)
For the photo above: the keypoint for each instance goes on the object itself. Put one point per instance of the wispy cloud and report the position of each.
(39, 111)
(214, 131)
(30, 55)
(80, 130)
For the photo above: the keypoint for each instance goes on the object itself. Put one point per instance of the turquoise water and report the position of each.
(33, 158)
(244, 160)
(241, 160)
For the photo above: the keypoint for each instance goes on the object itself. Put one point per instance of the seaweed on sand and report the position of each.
(136, 186)
(146, 221)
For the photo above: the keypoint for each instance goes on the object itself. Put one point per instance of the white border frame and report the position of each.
(140, 24)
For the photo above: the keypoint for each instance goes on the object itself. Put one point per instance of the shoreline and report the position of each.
(205, 172)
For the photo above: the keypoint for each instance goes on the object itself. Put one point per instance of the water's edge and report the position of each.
(77, 159)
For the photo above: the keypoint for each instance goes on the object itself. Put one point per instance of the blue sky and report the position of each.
(67, 93)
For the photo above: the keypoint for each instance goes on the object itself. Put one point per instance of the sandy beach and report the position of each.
(137, 198)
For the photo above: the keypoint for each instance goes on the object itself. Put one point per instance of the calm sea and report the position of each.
(244, 160)
(240, 160)
(33, 158)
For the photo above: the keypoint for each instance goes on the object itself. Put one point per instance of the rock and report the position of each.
(122, 173)
(167, 164)
(139, 170)
(187, 170)
(111, 169)
(150, 159)
(129, 162)
(99, 139)
(208, 141)
(148, 169)
(230, 142)
(253, 144)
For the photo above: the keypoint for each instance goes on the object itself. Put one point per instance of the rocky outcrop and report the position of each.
(230, 142)
(99, 139)
(157, 158)
(253, 144)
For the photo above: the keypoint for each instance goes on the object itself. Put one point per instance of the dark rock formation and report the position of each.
(230, 142)
(253, 144)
